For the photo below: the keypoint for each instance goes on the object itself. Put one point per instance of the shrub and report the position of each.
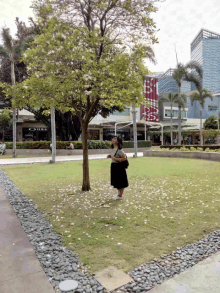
(192, 149)
(207, 150)
(174, 149)
(211, 147)
(183, 149)
(200, 149)
(92, 144)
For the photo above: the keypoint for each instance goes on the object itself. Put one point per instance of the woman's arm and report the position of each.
(122, 158)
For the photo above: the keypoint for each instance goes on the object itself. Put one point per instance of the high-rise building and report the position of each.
(167, 83)
(205, 49)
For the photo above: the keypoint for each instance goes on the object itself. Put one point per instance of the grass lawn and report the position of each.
(169, 202)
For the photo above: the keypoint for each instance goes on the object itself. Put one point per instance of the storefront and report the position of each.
(109, 133)
(35, 134)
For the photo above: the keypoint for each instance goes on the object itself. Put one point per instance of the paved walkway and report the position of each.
(202, 278)
(14, 161)
(20, 270)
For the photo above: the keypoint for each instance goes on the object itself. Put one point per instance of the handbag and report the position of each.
(125, 164)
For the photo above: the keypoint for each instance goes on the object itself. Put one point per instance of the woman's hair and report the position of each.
(120, 144)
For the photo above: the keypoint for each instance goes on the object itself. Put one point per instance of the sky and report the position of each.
(179, 22)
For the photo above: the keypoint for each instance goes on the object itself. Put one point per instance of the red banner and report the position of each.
(151, 96)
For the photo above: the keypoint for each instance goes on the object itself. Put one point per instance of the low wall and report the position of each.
(188, 155)
(34, 152)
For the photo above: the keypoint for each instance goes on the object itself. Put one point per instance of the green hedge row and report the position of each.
(92, 144)
(170, 147)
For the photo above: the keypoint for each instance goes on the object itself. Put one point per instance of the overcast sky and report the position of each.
(179, 22)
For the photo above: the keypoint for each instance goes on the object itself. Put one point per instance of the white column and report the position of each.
(134, 130)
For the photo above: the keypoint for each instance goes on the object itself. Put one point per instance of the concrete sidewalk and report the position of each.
(20, 270)
(15, 161)
(204, 277)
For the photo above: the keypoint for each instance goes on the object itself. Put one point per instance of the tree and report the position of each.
(194, 74)
(201, 95)
(108, 29)
(67, 125)
(66, 73)
(179, 75)
(11, 50)
(5, 120)
(211, 123)
(172, 99)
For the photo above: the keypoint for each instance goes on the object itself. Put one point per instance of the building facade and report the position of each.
(205, 49)
(167, 83)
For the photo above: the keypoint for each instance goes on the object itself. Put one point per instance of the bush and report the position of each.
(192, 149)
(183, 149)
(201, 149)
(211, 147)
(92, 144)
(174, 149)
(207, 150)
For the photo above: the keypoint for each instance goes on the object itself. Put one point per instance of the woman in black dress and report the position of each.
(119, 178)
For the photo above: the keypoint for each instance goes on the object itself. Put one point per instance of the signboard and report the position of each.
(151, 97)
(39, 129)
(212, 108)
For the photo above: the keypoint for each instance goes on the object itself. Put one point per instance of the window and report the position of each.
(126, 112)
(175, 113)
(183, 114)
(168, 113)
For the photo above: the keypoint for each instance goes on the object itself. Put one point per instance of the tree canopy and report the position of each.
(211, 123)
(64, 73)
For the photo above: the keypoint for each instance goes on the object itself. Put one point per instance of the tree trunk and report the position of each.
(179, 120)
(171, 125)
(14, 110)
(201, 138)
(86, 181)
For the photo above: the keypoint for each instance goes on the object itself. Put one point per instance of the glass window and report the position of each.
(168, 113)
(175, 113)
(126, 112)
(183, 114)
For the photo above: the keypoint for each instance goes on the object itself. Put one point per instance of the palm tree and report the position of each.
(172, 99)
(194, 74)
(179, 75)
(11, 50)
(200, 96)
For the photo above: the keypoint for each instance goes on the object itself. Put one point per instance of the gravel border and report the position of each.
(60, 264)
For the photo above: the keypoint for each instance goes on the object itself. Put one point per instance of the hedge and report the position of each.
(92, 144)
(211, 147)
(190, 132)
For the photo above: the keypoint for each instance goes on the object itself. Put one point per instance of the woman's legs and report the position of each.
(121, 192)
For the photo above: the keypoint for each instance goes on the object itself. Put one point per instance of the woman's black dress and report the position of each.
(119, 178)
